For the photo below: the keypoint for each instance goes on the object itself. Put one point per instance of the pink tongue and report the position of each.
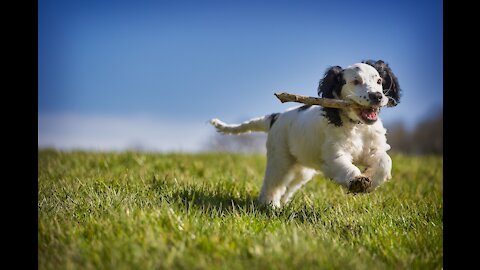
(370, 114)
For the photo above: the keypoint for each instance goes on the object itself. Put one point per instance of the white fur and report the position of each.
(302, 143)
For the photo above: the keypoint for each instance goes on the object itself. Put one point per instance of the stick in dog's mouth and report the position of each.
(324, 102)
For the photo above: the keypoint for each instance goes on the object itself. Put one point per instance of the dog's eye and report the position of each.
(379, 81)
(356, 82)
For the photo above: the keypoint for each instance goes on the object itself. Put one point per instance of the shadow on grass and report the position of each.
(222, 201)
(203, 196)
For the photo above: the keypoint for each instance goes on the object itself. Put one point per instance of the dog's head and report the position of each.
(370, 84)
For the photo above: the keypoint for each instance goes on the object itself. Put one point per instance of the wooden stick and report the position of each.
(324, 102)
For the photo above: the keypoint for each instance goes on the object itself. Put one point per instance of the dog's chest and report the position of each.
(360, 143)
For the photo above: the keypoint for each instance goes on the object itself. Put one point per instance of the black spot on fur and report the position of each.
(390, 85)
(333, 116)
(273, 117)
(304, 107)
(330, 87)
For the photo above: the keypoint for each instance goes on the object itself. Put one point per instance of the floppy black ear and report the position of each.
(390, 85)
(330, 87)
(331, 84)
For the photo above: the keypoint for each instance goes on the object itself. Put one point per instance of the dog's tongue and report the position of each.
(370, 114)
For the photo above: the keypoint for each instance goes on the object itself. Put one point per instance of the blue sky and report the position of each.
(116, 73)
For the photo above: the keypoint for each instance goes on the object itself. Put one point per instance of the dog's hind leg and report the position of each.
(278, 174)
(301, 177)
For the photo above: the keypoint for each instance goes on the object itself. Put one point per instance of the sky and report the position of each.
(113, 75)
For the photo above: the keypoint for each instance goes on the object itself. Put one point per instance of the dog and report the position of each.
(310, 139)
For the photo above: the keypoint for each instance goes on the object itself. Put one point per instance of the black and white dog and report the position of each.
(309, 139)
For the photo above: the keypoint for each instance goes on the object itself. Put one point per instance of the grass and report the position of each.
(197, 211)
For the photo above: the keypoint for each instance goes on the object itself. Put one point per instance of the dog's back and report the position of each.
(302, 132)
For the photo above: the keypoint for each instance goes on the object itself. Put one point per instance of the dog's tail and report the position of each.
(259, 124)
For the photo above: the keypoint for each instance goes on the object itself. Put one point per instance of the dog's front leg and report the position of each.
(379, 169)
(342, 171)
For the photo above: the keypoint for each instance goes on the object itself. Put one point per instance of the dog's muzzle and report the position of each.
(375, 97)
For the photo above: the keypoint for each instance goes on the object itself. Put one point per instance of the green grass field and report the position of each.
(197, 211)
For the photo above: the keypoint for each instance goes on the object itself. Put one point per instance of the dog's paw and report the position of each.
(360, 184)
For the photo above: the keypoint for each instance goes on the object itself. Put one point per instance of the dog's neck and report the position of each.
(346, 119)
(339, 117)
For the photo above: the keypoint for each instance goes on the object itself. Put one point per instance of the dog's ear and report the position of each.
(331, 84)
(390, 85)
(330, 87)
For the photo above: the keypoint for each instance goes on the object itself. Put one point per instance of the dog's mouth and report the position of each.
(368, 114)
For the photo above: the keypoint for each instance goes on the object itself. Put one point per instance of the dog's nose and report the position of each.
(375, 97)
